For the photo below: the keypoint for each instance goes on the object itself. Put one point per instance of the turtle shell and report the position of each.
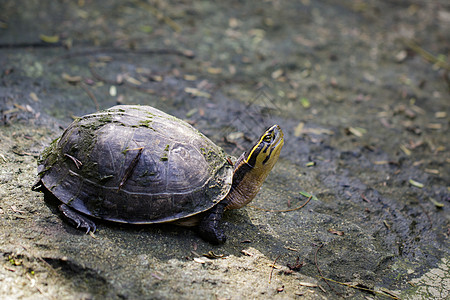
(135, 164)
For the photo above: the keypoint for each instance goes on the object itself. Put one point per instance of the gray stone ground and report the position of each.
(360, 88)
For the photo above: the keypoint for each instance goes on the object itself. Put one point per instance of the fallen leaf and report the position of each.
(212, 255)
(214, 71)
(401, 56)
(436, 203)
(113, 90)
(277, 73)
(34, 97)
(199, 260)
(405, 150)
(318, 131)
(381, 162)
(432, 171)
(191, 112)
(356, 131)
(132, 80)
(308, 284)
(71, 79)
(189, 77)
(440, 115)
(305, 102)
(274, 266)
(49, 38)
(435, 126)
(196, 92)
(310, 164)
(416, 183)
(337, 232)
(298, 129)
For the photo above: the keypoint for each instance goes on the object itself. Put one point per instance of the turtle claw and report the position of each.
(77, 220)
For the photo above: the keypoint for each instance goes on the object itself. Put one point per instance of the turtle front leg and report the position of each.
(209, 227)
(76, 219)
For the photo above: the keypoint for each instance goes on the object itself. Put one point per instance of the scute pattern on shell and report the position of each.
(135, 164)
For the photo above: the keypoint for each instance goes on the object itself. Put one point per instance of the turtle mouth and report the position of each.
(278, 140)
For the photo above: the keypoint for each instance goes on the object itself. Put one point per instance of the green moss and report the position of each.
(215, 157)
(49, 152)
(146, 123)
(165, 155)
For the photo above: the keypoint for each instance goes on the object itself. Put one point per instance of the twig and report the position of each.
(76, 161)
(100, 78)
(131, 167)
(282, 210)
(49, 266)
(91, 95)
(273, 267)
(426, 55)
(320, 272)
(361, 288)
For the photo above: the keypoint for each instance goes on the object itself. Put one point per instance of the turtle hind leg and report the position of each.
(76, 219)
(209, 227)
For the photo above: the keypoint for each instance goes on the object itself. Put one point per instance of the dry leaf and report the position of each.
(189, 77)
(113, 90)
(132, 80)
(356, 131)
(337, 232)
(308, 284)
(71, 79)
(214, 71)
(199, 260)
(196, 92)
(212, 255)
(416, 183)
(34, 97)
(277, 73)
(298, 129)
(49, 38)
(436, 203)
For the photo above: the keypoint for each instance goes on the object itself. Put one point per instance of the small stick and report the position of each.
(362, 288)
(77, 162)
(91, 95)
(131, 167)
(100, 78)
(425, 54)
(320, 272)
(273, 267)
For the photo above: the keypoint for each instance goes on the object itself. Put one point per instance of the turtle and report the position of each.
(136, 164)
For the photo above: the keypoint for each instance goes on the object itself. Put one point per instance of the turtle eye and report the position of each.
(267, 138)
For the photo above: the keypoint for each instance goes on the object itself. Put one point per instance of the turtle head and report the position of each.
(254, 166)
(264, 154)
